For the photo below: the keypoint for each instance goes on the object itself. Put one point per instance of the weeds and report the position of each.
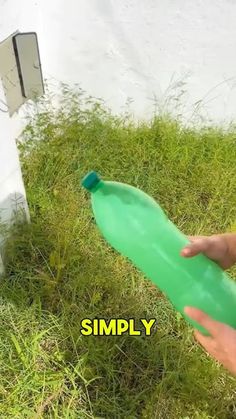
(59, 270)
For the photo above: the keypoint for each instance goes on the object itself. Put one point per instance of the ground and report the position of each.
(59, 270)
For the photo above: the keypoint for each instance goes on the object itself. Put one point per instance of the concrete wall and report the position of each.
(146, 50)
(12, 191)
(143, 50)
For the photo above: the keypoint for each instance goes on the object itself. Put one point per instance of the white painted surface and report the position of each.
(16, 15)
(138, 48)
(143, 50)
(12, 192)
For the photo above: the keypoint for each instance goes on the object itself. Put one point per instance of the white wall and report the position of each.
(12, 192)
(139, 48)
(12, 15)
(146, 50)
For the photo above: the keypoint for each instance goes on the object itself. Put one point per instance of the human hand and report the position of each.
(221, 344)
(221, 248)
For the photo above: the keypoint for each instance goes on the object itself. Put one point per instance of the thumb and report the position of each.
(198, 245)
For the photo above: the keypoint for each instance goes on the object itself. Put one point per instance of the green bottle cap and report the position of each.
(90, 180)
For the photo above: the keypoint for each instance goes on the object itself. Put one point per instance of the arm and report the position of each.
(221, 344)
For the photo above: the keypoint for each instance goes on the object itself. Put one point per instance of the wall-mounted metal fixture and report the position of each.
(20, 69)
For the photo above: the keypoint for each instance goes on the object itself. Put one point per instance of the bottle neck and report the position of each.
(97, 186)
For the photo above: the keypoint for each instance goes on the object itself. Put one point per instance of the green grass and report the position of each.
(59, 270)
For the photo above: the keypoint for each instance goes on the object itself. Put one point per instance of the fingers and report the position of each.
(195, 238)
(208, 343)
(197, 245)
(212, 326)
(203, 340)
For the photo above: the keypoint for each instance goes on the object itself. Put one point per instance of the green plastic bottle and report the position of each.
(135, 225)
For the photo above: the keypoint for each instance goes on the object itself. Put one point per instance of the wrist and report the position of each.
(231, 246)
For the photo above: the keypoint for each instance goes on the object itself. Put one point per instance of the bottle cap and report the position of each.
(90, 180)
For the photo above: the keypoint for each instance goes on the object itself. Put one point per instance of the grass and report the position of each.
(59, 270)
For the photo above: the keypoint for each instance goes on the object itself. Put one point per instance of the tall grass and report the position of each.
(59, 270)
